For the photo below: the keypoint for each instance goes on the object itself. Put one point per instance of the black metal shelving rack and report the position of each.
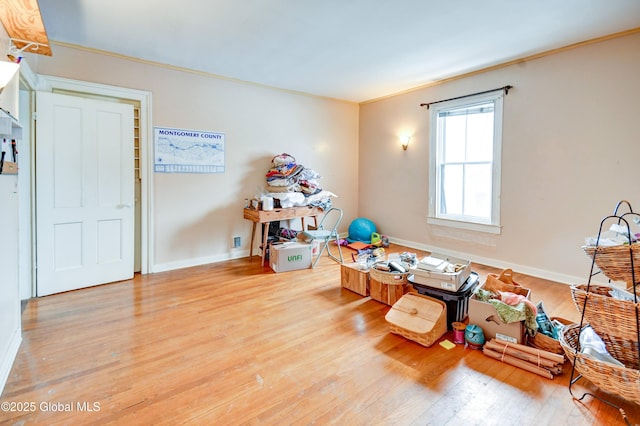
(622, 219)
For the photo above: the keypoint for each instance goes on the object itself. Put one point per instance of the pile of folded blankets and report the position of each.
(286, 175)
(295, 185)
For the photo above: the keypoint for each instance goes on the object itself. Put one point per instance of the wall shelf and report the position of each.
(10, 128)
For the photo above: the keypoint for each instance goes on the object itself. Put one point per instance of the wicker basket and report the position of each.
(388, 287)
(615, 262)
(546, 343)
(605, 314)
(390, 278)
(623, 381)
(420, 318)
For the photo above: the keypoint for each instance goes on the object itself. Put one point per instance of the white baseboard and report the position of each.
(9, 357)
(188, 263)
(496, 263)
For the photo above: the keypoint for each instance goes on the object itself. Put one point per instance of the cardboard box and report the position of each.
(485, 316)
(355, 279)
(289, 256)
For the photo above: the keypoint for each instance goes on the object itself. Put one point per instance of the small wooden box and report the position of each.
(10, 168)
(354, 279)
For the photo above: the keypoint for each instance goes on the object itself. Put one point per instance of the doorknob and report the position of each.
(125, 206)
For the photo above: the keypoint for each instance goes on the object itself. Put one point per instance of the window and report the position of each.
(464, 173)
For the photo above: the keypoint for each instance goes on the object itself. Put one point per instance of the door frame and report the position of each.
(26, 184)
(48, 83)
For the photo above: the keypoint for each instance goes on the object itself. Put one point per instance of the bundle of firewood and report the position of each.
(544, 363)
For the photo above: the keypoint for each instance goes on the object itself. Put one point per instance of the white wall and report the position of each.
(570, 152)
(10, 326)
(196, 215)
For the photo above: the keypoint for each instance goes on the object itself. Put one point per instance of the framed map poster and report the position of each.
(188, 151)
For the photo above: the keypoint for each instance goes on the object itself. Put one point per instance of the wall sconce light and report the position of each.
(405, 141)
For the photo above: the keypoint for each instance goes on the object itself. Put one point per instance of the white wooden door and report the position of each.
(84, 192)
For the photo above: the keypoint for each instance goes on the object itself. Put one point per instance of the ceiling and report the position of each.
(354, 50)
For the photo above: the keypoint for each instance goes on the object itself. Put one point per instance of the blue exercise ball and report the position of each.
(361, 229)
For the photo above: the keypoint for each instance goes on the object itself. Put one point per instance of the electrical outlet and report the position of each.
(236, 242)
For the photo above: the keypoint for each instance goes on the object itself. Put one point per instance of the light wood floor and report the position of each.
(235, 343)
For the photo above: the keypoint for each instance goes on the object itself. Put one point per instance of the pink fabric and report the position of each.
(513, 299)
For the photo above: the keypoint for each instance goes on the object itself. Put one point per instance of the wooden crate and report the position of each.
(354, 279)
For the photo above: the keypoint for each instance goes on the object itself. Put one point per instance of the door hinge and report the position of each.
(34, 116)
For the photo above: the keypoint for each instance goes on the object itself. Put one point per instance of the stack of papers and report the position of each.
(430, 263)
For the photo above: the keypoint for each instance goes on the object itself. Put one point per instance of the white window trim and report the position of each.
(495, 226)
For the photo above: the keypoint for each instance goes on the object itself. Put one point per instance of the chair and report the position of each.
(325, 232)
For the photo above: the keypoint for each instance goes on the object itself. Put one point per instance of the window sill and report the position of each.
(479, 227)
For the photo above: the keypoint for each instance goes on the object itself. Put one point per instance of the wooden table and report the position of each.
(267, 216)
